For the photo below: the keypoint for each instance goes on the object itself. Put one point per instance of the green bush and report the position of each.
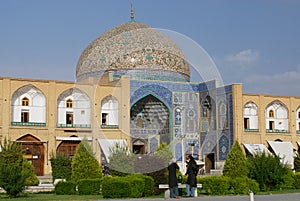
(241, 186)
(236, 163)
(297, 180)
(216, 185)
(148, 183)
(65, 188)
(136, 185)
(61, 167)
(115, 187)
(29, 174)
(12, 176)
(269, 172)
(84, 163)
(89, 186)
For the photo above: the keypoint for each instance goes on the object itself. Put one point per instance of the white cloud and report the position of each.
(244, 56)
(286, 83)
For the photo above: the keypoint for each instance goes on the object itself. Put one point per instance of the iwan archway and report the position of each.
(149, 123)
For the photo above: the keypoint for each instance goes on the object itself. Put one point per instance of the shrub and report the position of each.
(148, 183)
(241, 186)
(115, 187)
(12, 176)
(84, 164)
(121, 161)
(297, 180)
(216, 185)
(89, 186)
(65, 188)
(61, 167)
(269, 172)
(136, 185)
(297, 162)
(236, 163)
(29, 174)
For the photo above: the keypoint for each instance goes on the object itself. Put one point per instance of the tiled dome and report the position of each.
(136, 50)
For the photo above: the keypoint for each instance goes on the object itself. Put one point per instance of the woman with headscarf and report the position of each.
(173, 184)
(191, 171)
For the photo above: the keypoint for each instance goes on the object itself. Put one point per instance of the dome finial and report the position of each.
(132, 13)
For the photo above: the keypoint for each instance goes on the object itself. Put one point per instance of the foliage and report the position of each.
(121, 162)
(115, 187)
(65, 188)
(12, 178)
(148, 185)
(29, 174)
(216, 185)
(84, 164)
(241, 186)
(136, 186)
(297, 180)
(269, 172)
(297, 162)
(236, 163)
(61, 166)
(89, 186)
(164, 152)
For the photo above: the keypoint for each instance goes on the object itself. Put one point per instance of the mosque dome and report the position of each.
(136, 50)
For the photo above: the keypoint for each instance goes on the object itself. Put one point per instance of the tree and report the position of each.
(236, 163)
(12, 179)
(297, 162)
(84, 163)
(269, 172)
(61, 165)
(29, 174)
(121, 160)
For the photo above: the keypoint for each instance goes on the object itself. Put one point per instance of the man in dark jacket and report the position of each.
(191, 171)
(173, 184)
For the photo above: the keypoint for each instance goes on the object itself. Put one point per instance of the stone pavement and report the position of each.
(273, 197)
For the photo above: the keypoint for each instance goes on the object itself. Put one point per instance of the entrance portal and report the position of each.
(209, 162)
(33, 150)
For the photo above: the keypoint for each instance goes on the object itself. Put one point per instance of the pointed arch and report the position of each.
(109, 111)
(298, 120)
(73, 109)
(28, 107)
(250, 116)
(277, 117)
(34, 151)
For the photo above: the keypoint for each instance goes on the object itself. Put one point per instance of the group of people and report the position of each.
(191, 172)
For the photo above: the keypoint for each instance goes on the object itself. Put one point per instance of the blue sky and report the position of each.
(255, 42)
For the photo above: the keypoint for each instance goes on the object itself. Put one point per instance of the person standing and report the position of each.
(173, 183)
(191, 171)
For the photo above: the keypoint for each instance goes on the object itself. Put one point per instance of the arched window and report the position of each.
(277, 118)
(73, 109)
(298, 120)
(69, 103)
(250, 117)
(28, 107)
(109, 112)
(271, 114)
(25, 101)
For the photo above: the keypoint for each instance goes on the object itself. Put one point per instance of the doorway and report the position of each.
(209, 162)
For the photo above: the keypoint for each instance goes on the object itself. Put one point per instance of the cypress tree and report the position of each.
(84, 163)
(236, 163)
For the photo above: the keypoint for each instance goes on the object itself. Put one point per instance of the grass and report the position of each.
(51, 196)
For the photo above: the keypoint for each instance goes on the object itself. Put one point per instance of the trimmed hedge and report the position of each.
(115, 187)
(241, 186)
(216, 185)
(148, 184)
(89, 186)
(221, 185)
(136, 185)
(65, 188)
